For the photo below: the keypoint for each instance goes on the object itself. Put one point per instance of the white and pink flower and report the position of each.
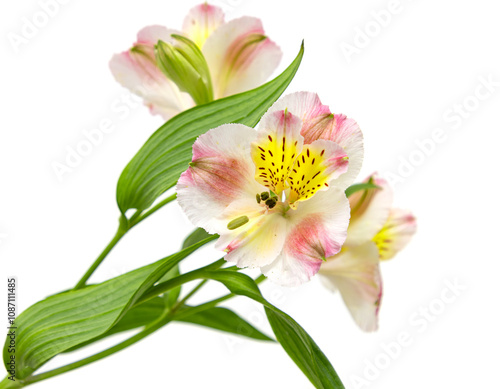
(276, 196)
(238, 53)
(376, 232)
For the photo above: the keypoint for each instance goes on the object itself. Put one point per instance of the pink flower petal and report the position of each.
(356, 274)
(320, 123)
(136, 70)
(369, 212)
(316, 230)
(150, 35)
(240, 57)
(201, 22)
(221, 172)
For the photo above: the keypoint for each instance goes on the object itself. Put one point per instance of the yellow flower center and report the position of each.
(281, 168)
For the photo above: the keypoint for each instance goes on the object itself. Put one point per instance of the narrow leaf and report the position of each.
(137, 317)
(223, 319)
(293, 338)
(195, 236)
(303, 350)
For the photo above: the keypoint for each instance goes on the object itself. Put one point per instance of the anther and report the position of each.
(271, 203)
(237, 223)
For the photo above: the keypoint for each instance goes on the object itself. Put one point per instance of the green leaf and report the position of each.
(166, 154)
(195, 237)
(359, 187)
(293, 338)
(303, 350)
(297, 343)
(65, 320)
(172, 296)
(217, 318)
(137, 317)
(223, 319)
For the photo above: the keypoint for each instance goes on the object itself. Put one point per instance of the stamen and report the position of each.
(237, 223)
(257, 197)
(271, 203)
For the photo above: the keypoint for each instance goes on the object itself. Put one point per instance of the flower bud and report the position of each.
(184, 64)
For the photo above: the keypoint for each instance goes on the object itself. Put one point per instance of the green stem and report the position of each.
(119, 234)
(134, 220)
(183, 301)
(125, 226)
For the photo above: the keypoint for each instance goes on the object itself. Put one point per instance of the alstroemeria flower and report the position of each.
(272, 197)
(238, 53)
(376, 232)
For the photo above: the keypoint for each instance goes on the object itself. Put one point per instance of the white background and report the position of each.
(429, 57)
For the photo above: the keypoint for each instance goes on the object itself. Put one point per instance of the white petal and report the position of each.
(396, 233)
(348, 135)
(369, 213)
(315, 230)
(221, 172)
(136, 70)
(305, 105)
(286, 270)
(240, 57)
(256, 243)
(150, 35)
(355, 272)
(201, 22)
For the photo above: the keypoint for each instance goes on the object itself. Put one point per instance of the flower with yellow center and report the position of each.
(238, 56)
(273, 198)
(376, 232)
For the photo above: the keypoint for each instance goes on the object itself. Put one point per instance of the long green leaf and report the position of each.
(303, 350)
(137, 317)
(194, 237)
(65, 320)
(166, 154)
(217, 318)
(293, 338)
(224, 319)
